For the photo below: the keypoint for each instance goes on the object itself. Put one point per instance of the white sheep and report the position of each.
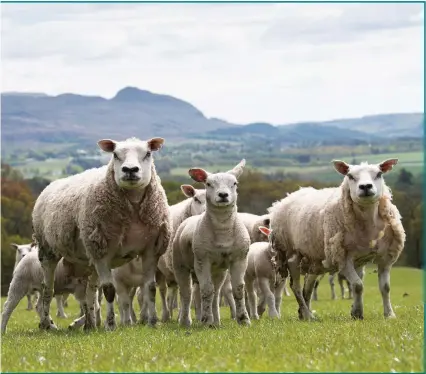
(28, 277)
(130, 275)
(211, 243)
(21, 251)
(102, 218)
(340, 229)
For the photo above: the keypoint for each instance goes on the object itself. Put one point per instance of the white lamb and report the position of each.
(28, 277)
(102, 218)
(21, 251)
(340, 229)
(211, 243)
(130, 275)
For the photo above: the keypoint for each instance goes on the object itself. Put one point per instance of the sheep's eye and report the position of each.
(197, 201)
(148, 154)
(208, 185)
(350, 176)
(115, 156)
(379, 175)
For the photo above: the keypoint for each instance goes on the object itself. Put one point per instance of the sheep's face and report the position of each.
(221, 188)
(365, 181)
(21, 251)
(198, 199)
(132, 160)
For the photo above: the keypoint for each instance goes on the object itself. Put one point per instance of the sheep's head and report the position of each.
(198, 198)
(21, 251)
(221, 188)
(132, 160)
(365, 181)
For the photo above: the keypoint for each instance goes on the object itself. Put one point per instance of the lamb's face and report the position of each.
(132, 160)
(21, 251)
(365, 181)
(198, 199)
(221, 188)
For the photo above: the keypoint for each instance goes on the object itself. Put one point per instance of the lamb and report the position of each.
(340, 229)
(340, 278)
(28, 277)
(209, 244)
(21, 252)
(262, 267)
(129, 275)
(101, 219)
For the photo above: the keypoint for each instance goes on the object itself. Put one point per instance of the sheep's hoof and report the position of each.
(260, 310)
(110, 324)
(47, 325)
(391, 315)
(29, 307)
(89, 326)
(207, 319)
(357, 314)
(65, 304)
(61, 315)
(185, 322)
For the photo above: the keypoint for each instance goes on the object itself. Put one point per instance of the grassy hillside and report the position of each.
(333, 343)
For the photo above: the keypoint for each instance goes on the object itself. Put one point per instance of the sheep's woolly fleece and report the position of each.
(93, 203)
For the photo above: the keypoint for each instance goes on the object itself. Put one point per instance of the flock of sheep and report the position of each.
(111, 229)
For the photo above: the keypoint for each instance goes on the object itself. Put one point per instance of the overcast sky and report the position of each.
(279, 63)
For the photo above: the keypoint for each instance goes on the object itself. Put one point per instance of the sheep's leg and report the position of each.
(331, 282)
(100, 298)
(149, 267)
(261, 306)
(278, 293)
(357, 311)
(29, 302)
(162, 286)
(204, 276)
(196, 300)
(237, 271)
(183, 279)
(315, 291)
(98, 310)
(293, 267)
(105, 280)
(383, 272)
(251, 298)
(342, 287)
(17, 290)
(132, 310)
(123, 299)
(60, 305)
(171, 299)
(218, 280)
(90, 304)
(311, 283)
(80, 295)
(48, 267)
(286, 291)
(227, 293)
(65, 300)
(265, 286)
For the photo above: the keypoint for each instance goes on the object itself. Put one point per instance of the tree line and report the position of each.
(256, 192)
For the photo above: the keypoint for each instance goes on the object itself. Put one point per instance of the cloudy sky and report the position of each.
(241, 62)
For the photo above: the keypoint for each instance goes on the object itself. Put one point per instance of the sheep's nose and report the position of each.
(223, 194)
(366, 187)
(126, 169)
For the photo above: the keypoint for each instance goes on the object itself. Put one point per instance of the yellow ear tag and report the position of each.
(373, 243)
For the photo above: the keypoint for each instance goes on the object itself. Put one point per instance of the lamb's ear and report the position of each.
(198, 175)
(341, 166)
(188, 190)
(107, 145)
(266, 222)
(14, 245)
(155, 144)
(238, 170)
(387, 165)
(264, 230)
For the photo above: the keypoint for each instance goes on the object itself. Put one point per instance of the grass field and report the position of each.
(333, 343)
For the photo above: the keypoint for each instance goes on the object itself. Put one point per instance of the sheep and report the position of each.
(130, 275)
(21, 251)
(340, 229)
(102, 218)
(340, 278)
(209, 244)
(28, 277)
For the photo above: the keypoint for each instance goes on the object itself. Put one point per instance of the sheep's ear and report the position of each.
(188, 190)
(264, 230)
(341, 166)
(14, 245)
(266, 222)
(155, 144)
(238, 170)
(387, 165)
(107, 145)
(198, 175)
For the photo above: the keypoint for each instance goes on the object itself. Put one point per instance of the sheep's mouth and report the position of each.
(367, 194)
(131, 178)
(222, 201)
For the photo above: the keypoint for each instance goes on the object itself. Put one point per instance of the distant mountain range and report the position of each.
(78, 118)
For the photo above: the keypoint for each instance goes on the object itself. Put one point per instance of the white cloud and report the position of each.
(241, 62)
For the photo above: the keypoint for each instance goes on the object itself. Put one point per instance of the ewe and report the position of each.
(102, 218)
(210, 244)
(130, 275)
(340, 229)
